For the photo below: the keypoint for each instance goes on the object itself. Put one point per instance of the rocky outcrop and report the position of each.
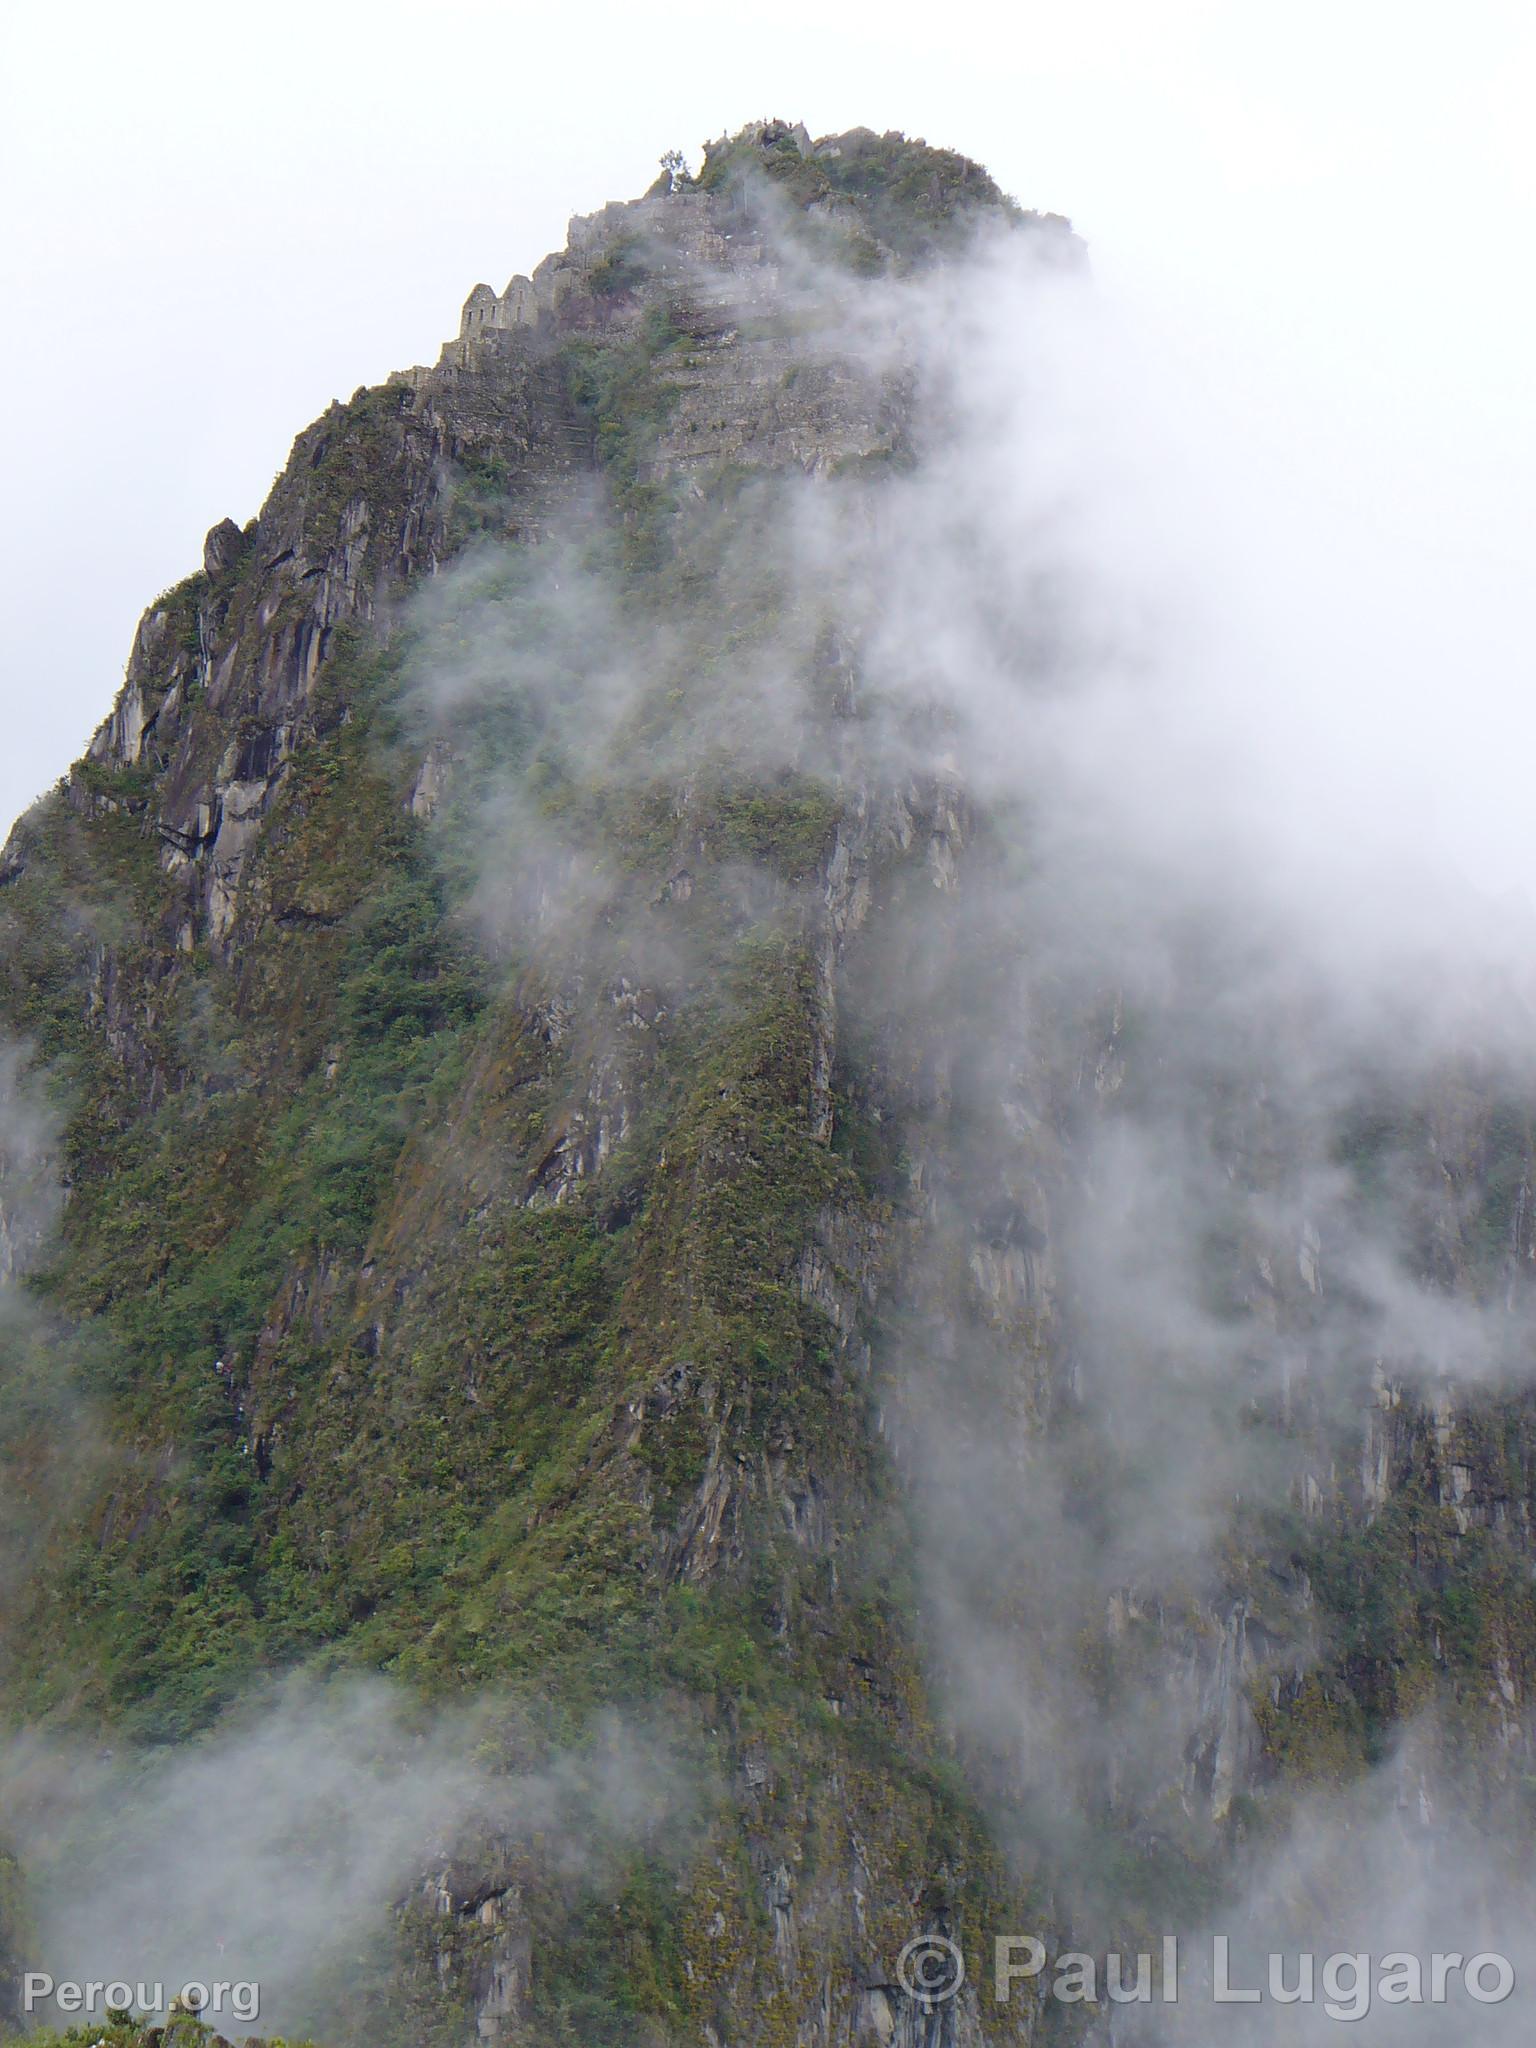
(221, 679)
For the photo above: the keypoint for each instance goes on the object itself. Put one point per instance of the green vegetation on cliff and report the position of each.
(503, 1202)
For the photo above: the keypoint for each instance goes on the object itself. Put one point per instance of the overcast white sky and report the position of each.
(221, 218)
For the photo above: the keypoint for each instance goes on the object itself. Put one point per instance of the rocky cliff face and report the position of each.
(590, 1188)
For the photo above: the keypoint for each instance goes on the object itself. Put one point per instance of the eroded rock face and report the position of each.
(768, 379)
(30, 1195)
